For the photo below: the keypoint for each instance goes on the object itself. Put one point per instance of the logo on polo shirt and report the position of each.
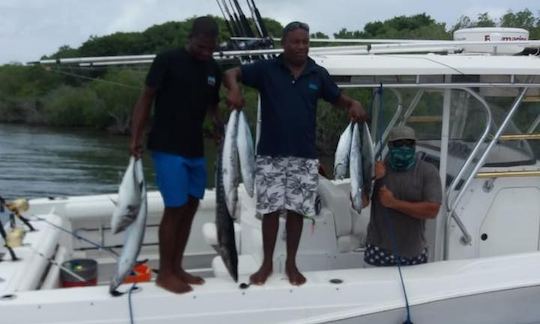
(211, 80)
(313, 86)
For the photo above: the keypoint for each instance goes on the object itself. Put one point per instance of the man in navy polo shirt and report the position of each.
(184, 84)
(287, 166)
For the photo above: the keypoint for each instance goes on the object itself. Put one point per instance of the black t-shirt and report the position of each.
(185, 88)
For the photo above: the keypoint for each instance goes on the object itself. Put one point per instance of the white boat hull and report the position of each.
(490, 290)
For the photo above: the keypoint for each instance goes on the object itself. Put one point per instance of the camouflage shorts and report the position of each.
(286, 183)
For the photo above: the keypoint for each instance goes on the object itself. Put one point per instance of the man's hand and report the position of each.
(135, 148)
(235, 99)
(380, 170)
(356, 112)
(387, 197)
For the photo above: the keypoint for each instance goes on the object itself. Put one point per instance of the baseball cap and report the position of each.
(401, 133)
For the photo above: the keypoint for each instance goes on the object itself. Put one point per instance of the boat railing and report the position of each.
(395, 118)
(466, 238)
(450, 205)
(534, 125)
(519, 137)
(507, 174)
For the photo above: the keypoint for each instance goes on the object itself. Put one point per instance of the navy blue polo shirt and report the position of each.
(289, 105)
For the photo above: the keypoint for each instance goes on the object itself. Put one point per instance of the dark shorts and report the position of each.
(178, 177)
(380, 257)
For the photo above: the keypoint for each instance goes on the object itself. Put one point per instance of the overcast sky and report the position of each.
(32, 28)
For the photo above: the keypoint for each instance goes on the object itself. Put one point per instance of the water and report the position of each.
(40, 162)
(47, 162)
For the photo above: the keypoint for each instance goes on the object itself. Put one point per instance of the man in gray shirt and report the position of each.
(407, 192)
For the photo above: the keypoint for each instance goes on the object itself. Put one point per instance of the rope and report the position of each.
(398, 258)
(75, 75)
(99, 246)
(385, 215)
(131, 319)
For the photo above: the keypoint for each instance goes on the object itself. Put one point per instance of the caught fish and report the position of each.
(343, 150)
(129, 197)
(356, 170)
(133, 238)
(230, 163)
(224, 222)
(246, 153)
(368, 161)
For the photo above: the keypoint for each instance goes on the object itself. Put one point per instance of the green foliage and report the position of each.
(70, 106)
(64, 52)
(119, 91)
(419, 26)
(21, 90)
(115, 44)
(484, 20)
(522, 19)
(320, 35)
(275, 29)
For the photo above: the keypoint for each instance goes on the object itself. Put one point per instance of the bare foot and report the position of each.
(295, 277)
(189, 278)
(172, 284)
(259, 277)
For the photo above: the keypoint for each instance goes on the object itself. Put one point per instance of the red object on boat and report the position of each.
(83, 268)
(141, 273)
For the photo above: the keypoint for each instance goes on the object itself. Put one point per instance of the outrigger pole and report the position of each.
(257, 27)
(229, 28)
(260, 21)
(234, 24)
(241, 30)
(243, 19)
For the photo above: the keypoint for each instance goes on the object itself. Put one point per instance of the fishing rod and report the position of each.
(243, 20)
(237, 19)
(229, 28)
(255, 22)
(264, 30)
(234, 24)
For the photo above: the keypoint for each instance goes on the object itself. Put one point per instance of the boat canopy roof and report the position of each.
(428, 64)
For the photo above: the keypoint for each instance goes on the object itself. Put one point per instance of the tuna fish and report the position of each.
(246, 153)
(224, 222)
(230, 164)
(355, 169)
(129, 197)
(343, 150)
(368, 161)
(133, 236)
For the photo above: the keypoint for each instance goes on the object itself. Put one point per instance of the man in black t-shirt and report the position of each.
(184, 84)
(286, 176)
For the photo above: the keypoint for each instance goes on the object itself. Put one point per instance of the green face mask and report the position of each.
(402, 158)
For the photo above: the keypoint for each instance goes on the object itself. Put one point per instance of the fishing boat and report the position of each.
(470, 104)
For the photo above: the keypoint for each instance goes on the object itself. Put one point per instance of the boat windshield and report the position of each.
(423, 110)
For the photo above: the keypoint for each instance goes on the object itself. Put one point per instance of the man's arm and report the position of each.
(139, 118)
(420, 210)
(231, 82)
(356, 111)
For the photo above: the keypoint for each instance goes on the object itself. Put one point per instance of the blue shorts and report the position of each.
(177, 177)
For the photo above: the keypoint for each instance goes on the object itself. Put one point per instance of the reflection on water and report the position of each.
(47, 162)
(39, 162)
